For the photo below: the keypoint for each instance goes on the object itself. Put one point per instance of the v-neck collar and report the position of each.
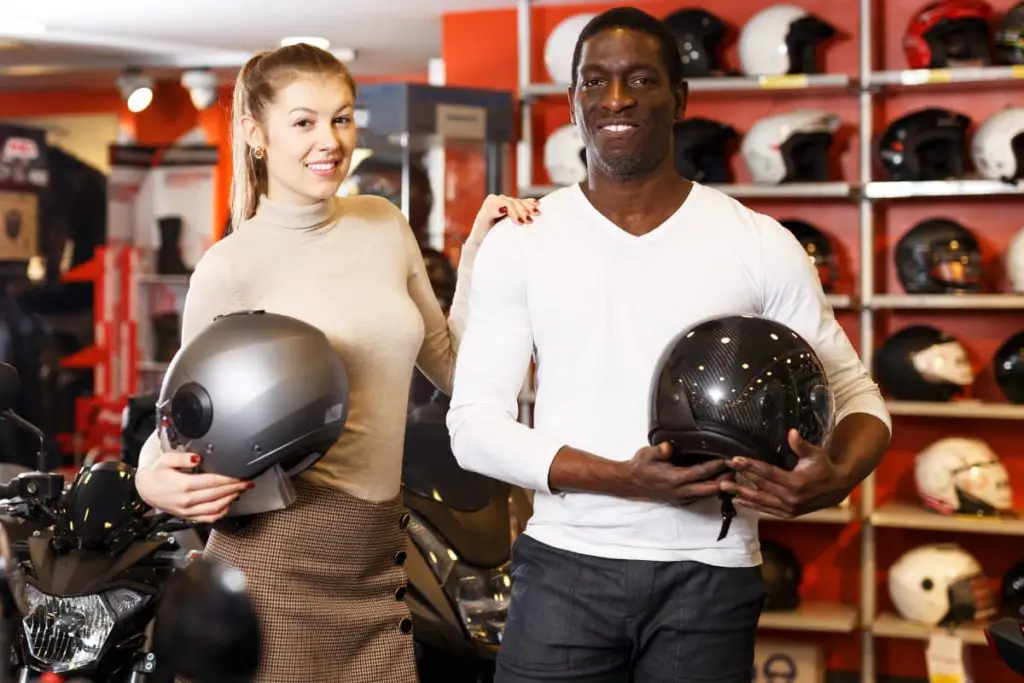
(618, 233)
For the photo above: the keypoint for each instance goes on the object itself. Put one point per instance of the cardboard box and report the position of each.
(19, 225)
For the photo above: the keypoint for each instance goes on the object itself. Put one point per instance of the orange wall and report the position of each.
(831, 555)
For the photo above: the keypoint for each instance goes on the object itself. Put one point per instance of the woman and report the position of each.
(325, 574)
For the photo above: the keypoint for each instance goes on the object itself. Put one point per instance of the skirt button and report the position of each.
(400, 593)
(404, 522)
(400, 557)
(405, 625)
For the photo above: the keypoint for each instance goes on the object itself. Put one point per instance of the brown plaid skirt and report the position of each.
(327, 581)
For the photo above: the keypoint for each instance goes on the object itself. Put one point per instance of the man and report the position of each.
(619, 576)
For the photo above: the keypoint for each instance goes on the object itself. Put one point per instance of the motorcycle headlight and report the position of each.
(68, 633)
(480, 595)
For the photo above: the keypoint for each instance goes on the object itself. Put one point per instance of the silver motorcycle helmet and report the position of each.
(258, 396)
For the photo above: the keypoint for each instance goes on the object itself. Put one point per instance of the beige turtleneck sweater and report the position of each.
(352, 268)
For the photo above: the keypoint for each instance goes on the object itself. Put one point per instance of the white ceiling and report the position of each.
(86, 43)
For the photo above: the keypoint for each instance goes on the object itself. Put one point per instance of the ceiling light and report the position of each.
(201, 86)
(321, 43)
(136, 89)
(21, 27)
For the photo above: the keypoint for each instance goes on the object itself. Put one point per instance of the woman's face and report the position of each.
(307, 138)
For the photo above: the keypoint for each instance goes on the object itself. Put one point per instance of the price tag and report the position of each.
(940, 76)
(1017, 71)
(783, 82)
(947, 659)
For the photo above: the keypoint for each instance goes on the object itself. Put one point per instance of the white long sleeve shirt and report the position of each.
(596, 306)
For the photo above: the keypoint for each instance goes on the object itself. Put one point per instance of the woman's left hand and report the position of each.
(498, 206)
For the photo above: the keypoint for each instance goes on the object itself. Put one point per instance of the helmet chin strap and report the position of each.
(728, 512)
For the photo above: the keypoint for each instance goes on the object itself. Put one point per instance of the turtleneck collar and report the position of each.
(296, 217)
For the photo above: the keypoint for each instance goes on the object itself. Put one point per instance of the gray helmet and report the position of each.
(254, 391)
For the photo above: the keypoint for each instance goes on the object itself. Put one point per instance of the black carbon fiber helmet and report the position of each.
(927, 144)
(782, 576)
(922, 363)
(252, 391)
(699, 35)
(736, 385)
(1009, 36)
(939, 255)
(819, 250)
(101, 510)
(1008, 368)
(702, 149)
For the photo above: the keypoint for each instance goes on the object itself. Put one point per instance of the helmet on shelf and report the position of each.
(560, 45)
(997, 146)
(1009, 36)
(791, 147)
(1012, 591)
(782, 39)
(736, 385)
(1008, 368)
(699, 35)
(1014, 260)
(252, 392)
(926, 144)
(940, 584)
(922, 363)
(939, 255)
(949, 33)
(782, 576)
(565, 156)
(962, 476)
(702, 150)
(819, 250)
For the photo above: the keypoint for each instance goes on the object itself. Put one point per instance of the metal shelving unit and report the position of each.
(868, 193)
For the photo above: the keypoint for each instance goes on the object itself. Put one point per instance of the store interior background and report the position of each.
(478, 48)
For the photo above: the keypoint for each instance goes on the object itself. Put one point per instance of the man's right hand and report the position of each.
(656, 477)
(170, 488)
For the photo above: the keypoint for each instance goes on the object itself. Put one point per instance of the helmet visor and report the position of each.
(171, 441)
(956, 268)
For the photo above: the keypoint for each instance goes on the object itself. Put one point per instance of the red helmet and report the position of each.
(943, 33)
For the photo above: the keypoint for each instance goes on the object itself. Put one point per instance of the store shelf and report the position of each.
(832, 515)
(818, 617)
(751, 191)
(153, 278)
(798, 82)
(940, 188)
(898, 515)
(967, 409)
(840, 301)
(891, 626)
(151, 366)
(918, 77)
(949, 301)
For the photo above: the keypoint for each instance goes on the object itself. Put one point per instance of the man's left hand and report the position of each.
(815, 482)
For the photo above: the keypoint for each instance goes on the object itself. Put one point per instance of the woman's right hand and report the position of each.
(202, 498)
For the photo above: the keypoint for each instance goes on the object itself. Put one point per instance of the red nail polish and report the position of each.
(196, 459)
(503, 210)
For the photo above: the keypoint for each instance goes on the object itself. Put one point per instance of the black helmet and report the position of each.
(101, 509)
(922, 363)
(927, 144)
(442, 275)
(1008, 367)
(253, 391)
(702, 150)
(782, 576)
(1012, 591)
(1009, 37)
(939, 255)
(699, 35)
(819, 249)
(736, 385)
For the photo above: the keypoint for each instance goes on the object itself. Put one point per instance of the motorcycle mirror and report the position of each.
(206, 628)
(10, 387)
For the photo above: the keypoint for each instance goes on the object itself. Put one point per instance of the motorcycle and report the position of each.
(461, 529)
(85, 566)
(1006, 637)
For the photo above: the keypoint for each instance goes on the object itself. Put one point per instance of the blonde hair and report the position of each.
(257, 85)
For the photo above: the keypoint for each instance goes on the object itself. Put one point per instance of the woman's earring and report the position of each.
(258, 153)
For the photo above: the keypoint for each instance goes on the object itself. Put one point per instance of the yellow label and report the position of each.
(784, 81)
(1017, 71)
(945, 678)
(940, 76)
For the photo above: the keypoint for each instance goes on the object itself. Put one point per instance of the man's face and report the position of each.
(624, 104)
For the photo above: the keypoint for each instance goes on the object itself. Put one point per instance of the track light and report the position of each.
(315, 41)
(136, 89)
(202, 87)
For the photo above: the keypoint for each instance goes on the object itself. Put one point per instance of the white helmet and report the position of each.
(962, 476)
(564, 156)
(790, 147)
(940, 584)
(561, 44)
(1015, 262)
(782, 39)
(997, 147)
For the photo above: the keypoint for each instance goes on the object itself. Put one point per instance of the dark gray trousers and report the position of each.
(593, 620)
